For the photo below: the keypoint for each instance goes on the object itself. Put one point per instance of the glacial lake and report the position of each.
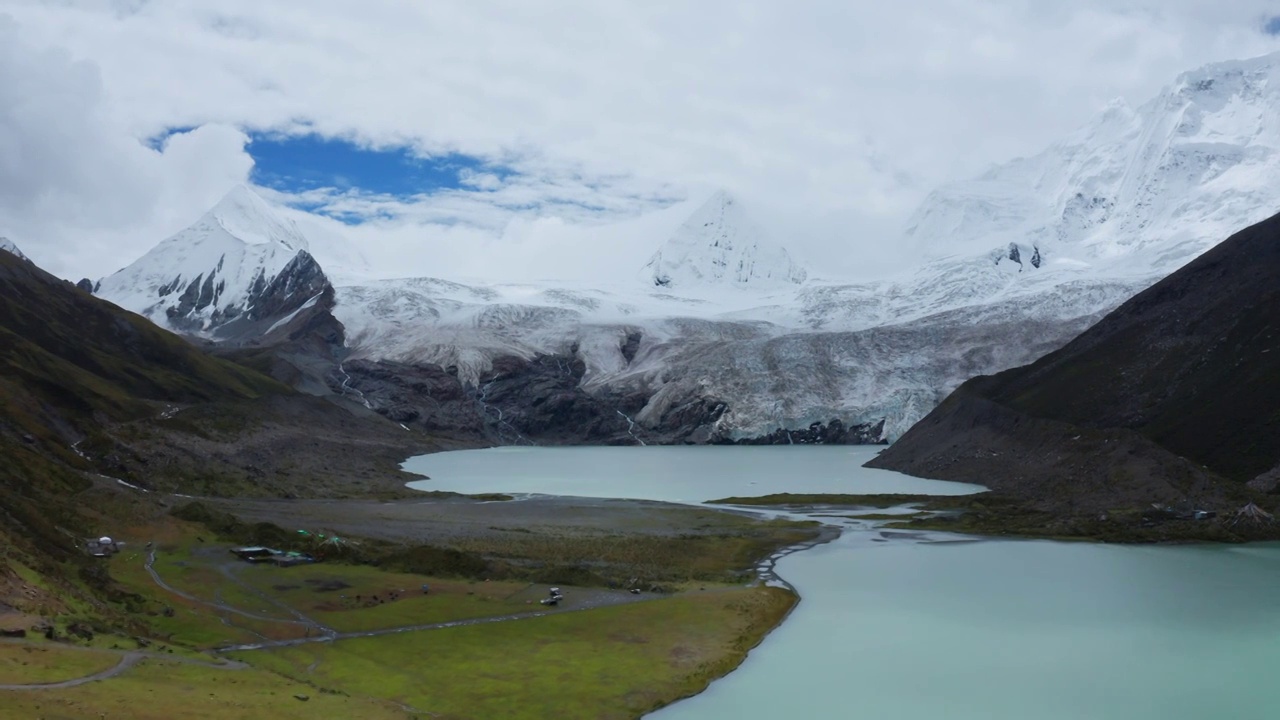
(939, 626)
(679, 474)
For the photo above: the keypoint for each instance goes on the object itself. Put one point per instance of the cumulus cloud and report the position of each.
(78, 191)
(831, 119)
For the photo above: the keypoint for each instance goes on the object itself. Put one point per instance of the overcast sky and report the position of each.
(573, 123)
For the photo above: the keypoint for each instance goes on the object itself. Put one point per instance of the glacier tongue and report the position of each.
(718, 244)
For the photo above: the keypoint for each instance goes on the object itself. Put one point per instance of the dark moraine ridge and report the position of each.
(1173, 397)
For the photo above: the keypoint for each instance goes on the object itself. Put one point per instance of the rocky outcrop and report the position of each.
(267, 302)
(519, 401)
(542, 401)
(834, 432)
(423, 397)
(300, 281)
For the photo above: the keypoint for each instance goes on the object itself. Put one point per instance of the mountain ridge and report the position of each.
(1015, 263)
(1181, 378)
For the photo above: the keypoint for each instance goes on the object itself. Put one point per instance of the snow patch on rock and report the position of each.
(6, 245)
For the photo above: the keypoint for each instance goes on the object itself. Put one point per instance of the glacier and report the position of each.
(1012, 265)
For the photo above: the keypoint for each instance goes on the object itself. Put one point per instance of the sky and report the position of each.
(508, 140)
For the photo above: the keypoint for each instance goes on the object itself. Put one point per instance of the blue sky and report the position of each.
(295, 164)
(1272, 27)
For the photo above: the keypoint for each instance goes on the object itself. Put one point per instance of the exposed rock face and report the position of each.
(425, 397)
(275, 298)
(300, 280)
(542, 401)
(1175, 396)
(830, 433)
(519, 401)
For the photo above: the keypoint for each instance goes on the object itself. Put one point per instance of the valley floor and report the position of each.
(391, 625)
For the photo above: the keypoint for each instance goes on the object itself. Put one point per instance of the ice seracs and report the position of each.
(239, 262)
(719, 244)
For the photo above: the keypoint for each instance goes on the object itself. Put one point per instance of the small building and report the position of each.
(280, 558)
(289, 559)
(255, 553)
(102, 547)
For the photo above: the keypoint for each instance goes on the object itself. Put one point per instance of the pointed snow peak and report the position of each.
(720, 244)
(7, 245)
(225, 268)
(250, 219)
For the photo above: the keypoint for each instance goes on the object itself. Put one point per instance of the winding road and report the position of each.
(128, 658)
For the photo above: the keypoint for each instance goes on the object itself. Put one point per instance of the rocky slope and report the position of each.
(100, 410)
(1174, 398)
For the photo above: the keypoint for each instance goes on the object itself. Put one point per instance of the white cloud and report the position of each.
(830, 118)
(80, 194)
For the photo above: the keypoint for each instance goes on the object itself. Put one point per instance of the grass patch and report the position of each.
(592, 558)
(158, 690)
(352, 598)
(47, 663)
(615, 662)
(185, 622)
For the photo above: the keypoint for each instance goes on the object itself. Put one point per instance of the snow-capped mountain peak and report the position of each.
(244, 215)
(239, 261)
(1136, 191)
(7, 245)
(719, 244)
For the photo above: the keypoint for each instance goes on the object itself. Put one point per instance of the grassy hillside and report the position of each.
(67, 356)
(71, 368)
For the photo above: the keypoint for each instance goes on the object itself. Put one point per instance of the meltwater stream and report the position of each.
(937, 627)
